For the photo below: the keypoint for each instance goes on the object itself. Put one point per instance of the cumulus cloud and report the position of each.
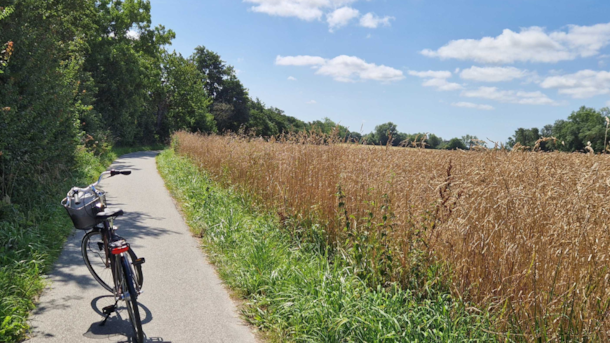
(372, 21)
(437, 79)
(471, 105)
(303, 9)
(299, 60)
(580, 85)
(531, 44)
(312, 102)
(341, 17)
(493, 74)
(509, 96)
(292, 78)
(440, 74)
(344, 68)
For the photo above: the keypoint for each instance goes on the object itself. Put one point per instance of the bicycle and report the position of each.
(109, 257)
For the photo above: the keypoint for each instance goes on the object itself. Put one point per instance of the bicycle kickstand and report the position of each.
(108, 310)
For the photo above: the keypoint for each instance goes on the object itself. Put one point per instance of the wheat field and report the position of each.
(522, 235)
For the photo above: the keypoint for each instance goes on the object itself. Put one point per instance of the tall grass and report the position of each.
(524, 235)
(296, 292)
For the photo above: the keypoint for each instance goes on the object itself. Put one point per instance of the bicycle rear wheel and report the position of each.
(128, 283)
(94, 255)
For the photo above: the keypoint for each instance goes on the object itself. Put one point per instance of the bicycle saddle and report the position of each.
(107, 214)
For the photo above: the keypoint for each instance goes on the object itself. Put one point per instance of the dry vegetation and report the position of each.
(524, 235)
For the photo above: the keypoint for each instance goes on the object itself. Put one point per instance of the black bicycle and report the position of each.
(108, 256)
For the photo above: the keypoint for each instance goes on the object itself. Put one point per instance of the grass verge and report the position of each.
(294, 290)
(32, 237)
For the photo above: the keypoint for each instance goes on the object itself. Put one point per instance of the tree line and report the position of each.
(584, 130)
(97, 73)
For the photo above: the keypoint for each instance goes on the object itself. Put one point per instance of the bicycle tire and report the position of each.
(90, 247)
(132, 303)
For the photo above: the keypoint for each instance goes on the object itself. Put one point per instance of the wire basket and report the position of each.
(83, 214)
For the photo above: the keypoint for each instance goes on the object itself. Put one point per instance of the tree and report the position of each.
(582, 126)
(434, 141)
(41, 93)
(181, 100)
(525, 137)
(328, 126)
(230, 97)
(384, 132)
(469, 141)
(124, 59)
(454, 144)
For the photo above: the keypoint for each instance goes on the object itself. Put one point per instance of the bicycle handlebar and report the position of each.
(75, 191)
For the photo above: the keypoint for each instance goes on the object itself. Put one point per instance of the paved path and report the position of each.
(183, 299)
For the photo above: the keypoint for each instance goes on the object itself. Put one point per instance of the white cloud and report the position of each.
(312, 102)
(582, 84)
(608, 103)
(437, 79)
(344, 68)
(441, 74)
(493, 74)
(303, 9)
(531, 44)
(292, 78)
(341, 17)
(509, 96)
(372, 21)
(299, 61)
(471, 105)
(442, 85)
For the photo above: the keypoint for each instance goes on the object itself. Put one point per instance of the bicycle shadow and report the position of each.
(118, 323)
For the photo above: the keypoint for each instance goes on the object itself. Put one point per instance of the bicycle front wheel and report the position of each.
(94, 255)
(128, 284)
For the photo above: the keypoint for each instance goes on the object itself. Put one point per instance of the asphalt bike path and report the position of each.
(183, 299)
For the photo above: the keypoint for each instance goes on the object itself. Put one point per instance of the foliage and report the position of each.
(581, 127)
(384, 133)
(125, 54)
(40, 97)
(182, 102)
(31, 239)
(294, 290)
(230, 98)
(454, 144)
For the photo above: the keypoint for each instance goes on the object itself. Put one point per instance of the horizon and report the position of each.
(449, 69)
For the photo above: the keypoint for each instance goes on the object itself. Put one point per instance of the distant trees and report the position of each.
(454, 144)
(581, 127)
(384, 132)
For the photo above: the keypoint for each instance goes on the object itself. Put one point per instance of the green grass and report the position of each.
(32, 238)
(296, 291)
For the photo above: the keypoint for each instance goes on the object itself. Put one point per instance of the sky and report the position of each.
(452, 67)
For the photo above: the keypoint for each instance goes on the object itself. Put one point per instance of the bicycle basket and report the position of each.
(83, 213)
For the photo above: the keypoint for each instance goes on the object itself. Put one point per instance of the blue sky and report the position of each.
(448, 67)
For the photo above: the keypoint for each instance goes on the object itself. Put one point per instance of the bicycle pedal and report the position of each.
(109, 309)
(139, 261)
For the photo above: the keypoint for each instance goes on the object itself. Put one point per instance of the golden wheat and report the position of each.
(525, 234)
